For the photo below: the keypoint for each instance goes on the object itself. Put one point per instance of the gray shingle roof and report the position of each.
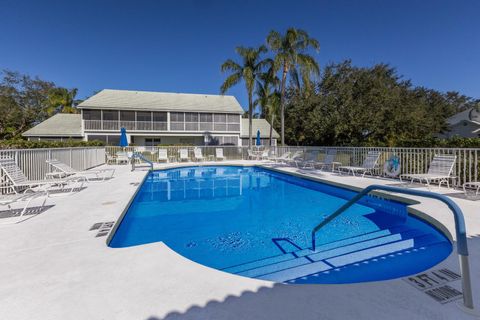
(258, 124)
(467, 115)
(162, 101)
(61, 124)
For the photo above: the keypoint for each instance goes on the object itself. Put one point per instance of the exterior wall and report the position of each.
(263, 141)
(159, 139)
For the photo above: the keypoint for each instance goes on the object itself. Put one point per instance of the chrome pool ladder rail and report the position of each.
(460, 229)
(141, 157)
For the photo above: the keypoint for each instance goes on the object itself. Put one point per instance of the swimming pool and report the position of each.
(257, 223)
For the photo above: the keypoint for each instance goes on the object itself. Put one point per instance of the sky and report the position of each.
(178, 46)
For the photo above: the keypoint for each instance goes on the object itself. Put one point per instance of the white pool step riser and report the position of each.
(295, 262)
(306, 252)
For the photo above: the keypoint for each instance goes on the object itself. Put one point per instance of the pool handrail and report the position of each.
(140, 156)
(460, 229)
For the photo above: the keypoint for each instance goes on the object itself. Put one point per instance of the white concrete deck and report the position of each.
(53, 267)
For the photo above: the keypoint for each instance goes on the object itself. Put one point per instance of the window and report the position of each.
(222, 141)
(177, 121)
(177, 117)
(107, 139)
(152, 142)
(191, 121)
(160, 117)
(92, 115)
(110, 115)
(127, 115)
(144, 116)
(219, 117)
(206, 121)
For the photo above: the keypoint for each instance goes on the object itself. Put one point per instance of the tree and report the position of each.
(26, 101)
(291, 56)
(371, 106)
(268, 97)
(250, 67)
(62, 100)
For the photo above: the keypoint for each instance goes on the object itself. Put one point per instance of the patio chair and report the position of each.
(27, 197)
(14, 179)
(295, 159)
(122, 157)
(183, 155)
(110, 159)
(311, 159)
(64, 170)
(329, 160)
(163, 155)
(471, 184)
(369, 164)
(265, 155)
(251, 155)
(283, 157)
(197, 154)
(219, 154)
(440, 170)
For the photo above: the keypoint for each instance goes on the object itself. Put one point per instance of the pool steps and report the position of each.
(304, 262)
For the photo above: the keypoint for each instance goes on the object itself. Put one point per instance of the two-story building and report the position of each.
(154, 118)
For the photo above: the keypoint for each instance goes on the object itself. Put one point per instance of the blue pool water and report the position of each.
(257, 223)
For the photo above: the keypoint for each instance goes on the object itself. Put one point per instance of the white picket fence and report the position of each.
(33, 161)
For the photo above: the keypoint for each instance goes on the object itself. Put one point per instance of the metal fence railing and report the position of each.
(412, 160)
(208, 152)
(33, 161)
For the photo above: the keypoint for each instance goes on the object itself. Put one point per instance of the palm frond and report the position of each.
(231, 80)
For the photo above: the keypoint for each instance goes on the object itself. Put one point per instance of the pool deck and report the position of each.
(53, 267)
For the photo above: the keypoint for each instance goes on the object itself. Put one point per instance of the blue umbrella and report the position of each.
(123, 138)
(258, 138)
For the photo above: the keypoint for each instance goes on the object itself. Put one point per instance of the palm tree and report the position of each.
(248, 70)
(268, 97)
(61, 100)
(291, 55)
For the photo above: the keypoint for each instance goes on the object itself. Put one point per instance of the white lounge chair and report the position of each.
(440, 170)
(27, 197)
(471, 184)
(197, 154)
(311, 159)
(163, 155)
(265, 155)
(369, 164)
(282, 158)
(295, 159)
(329, 160)
(14, 179)
(251, 155)
(219, 154)
(183, 155)
(123, 157)
(64, 170)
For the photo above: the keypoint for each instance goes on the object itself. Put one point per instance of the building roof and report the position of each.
(471, 115)
(61, 124)
(258, 124)
(161, 101)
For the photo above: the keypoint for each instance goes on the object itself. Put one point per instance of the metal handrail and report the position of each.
(140, 156)
(460, 230)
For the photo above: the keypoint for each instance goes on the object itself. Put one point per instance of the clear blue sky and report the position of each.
(178, 46)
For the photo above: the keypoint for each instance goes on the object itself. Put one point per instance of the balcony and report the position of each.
(115, 125)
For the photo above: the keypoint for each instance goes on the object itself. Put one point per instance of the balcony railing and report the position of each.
(114, 125)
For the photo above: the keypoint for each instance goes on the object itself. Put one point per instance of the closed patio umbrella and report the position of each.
(123, 138)
(259, 142)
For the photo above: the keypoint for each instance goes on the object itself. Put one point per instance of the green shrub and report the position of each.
(26, 144)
